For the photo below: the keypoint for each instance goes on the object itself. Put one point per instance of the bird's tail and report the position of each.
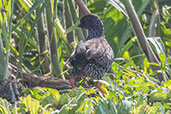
(80, 49)
(80, 53)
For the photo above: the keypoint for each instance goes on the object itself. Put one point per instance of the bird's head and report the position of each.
(87, 22)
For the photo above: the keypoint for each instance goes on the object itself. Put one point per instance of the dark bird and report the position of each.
(94, 57)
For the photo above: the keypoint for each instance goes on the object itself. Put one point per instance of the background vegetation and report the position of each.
(31, 38)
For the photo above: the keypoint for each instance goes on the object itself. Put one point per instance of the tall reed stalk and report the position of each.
(42, 44)
(142, 39)
(55, 64)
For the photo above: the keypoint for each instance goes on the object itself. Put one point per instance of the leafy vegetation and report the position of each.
(136, 92)
(28, 28)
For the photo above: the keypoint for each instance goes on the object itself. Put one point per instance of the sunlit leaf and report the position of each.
(167, 84)
(119, 6)
(157, 45)
(157, 96)
(31, 104)
(139, 100)
(140, 109)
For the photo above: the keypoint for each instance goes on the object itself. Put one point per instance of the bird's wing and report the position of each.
(99, 50)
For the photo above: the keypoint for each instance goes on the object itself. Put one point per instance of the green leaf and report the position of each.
(162, 57)
(47, 98)
(89, 109)
(127, 46)
(81, 108)
(140, 100)
(156, 95)
(64, 99)
(31, 104)
(157, 45)
(55, 94)
(34, 6)
(127, 29)
(64, 110)
(4, 106)
(128, 64)
(124, 106)
(146, 64)
(119, 6)
(115, 66)
(102, 108)
(96, 6)
(112, 107)
(167, 84)
(140, 109)
(3, 110)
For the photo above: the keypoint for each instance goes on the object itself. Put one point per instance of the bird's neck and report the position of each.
(96, 31)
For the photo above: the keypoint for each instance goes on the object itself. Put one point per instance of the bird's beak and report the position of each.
(75, 26)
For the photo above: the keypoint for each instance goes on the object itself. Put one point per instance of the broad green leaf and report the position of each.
(47, 98)
(140, 109)
(157, 45)
(125, 35)
(5, 106)
(96, 6)
(64, 110)
(112, 107)
(162, 57)
(139, 100)
(102, 107)
(55, 94)
(127, 46)
(36, 93)
(82, 107)
(31, 104)
(89, 109)
(3, 110)
(119, 6)
(157, 96)
(64, 99)
(124, 106)
(167, 84)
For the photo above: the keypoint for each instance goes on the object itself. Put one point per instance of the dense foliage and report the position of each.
(131, 87)
(136, 92)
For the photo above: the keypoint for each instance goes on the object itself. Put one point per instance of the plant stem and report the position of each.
(75, 19)
(42, 44)
(56, 69)
(2, 59)
(68, 21)
(142, 38)
(82, 7)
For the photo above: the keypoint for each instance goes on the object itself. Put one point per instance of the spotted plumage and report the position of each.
(93, 57)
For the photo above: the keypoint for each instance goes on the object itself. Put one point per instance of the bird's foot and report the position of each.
(100, 88)
(72, 81)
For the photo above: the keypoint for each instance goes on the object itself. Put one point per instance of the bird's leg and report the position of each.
(72, 81)
(100, 88)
